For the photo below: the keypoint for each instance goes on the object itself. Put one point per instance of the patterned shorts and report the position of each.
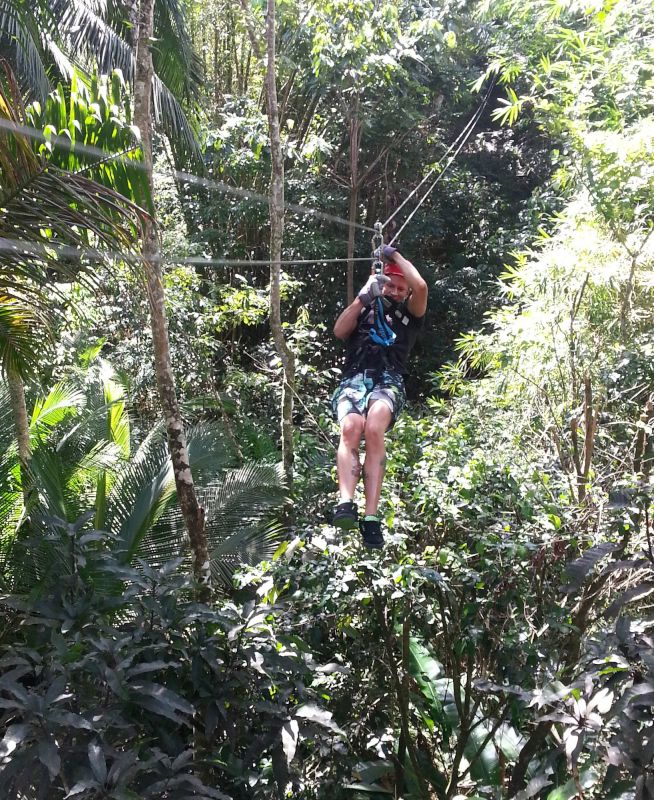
(355, 393)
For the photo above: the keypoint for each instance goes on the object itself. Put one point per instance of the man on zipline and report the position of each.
(379, 329)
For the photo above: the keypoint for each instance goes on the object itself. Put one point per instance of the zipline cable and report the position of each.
(465, 132)
(461, 139)
(25, 247)
(103, 157)
(306, 211)
(428, 192)
(185, 177)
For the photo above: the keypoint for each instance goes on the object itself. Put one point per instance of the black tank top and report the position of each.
(362, 353)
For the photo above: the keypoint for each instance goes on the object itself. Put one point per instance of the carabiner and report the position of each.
(377, 244)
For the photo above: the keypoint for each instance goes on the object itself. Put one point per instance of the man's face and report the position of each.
(397, 288)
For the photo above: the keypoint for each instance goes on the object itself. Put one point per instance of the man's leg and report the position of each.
(377, 422)
(347, 456)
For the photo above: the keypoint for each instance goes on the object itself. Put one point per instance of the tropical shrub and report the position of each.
(116, 683)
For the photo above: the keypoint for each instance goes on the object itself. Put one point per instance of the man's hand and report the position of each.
(372, 289)
(385, 252)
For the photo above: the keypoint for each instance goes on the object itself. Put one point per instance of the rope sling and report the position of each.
(381, 333)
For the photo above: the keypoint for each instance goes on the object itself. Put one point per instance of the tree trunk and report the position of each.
(276, 237)
(22, 427)
(191, 511)
(626, 301)
(216, 71)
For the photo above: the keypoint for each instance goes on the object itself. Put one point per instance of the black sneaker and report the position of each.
(371, 533)
(346, 516)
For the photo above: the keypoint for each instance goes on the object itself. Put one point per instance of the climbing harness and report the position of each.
(381, 333)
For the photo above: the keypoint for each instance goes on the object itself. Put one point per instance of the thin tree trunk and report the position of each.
(216, 71)
(305, 123)
(276, 237)
(191, 511)
(352, 217)
(22, 428)
(284, 352)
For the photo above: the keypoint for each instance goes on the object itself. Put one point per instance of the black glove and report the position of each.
(372, 289)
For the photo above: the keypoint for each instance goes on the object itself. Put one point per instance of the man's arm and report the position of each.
(417, 303)
(347, 321)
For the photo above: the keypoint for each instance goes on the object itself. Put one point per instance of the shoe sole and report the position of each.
(374, 545)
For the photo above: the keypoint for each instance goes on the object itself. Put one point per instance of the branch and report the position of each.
(252, 34)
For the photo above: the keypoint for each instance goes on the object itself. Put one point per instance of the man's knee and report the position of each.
(352, 428)
(378, 420)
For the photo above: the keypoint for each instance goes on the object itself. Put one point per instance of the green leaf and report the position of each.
(156, 698)
(290, 733)
(49, 756)
(587, 779)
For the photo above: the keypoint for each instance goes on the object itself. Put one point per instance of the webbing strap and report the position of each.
(381, 332)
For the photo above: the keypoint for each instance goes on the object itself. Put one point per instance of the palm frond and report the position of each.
(242, 497)
(21, 45)
(51, 480)
(177, 69)
(210, 450)
(237, 510)
(118, 424)
(11, 511)
(145, 488)
(50, 207)
(250, 545)
(87, 34)
(140, 493)
(17, 324)
(87, 125)
(175, 61)
(63, 64)
(65, 481)
(62, 401)
(101, 457)
(11, 497)
(48, 217)
(175, 123)
(7, 435)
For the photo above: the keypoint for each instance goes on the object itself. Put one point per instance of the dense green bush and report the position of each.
(117, 684)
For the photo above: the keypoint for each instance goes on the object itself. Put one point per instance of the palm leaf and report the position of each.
(11, 497)
(177, 69)
(62, 401)
(243, 496)
(237, 518)
(118, 425)
(7, 435)
(145, 488)
(48, 217)
(20, 43)
(82, 125)
(139, 493)
(175, 61)
(17, 323)
(250, 545)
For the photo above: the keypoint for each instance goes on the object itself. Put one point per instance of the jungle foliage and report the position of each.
(501, 645)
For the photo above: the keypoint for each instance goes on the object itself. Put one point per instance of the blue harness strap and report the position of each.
(381, 333)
